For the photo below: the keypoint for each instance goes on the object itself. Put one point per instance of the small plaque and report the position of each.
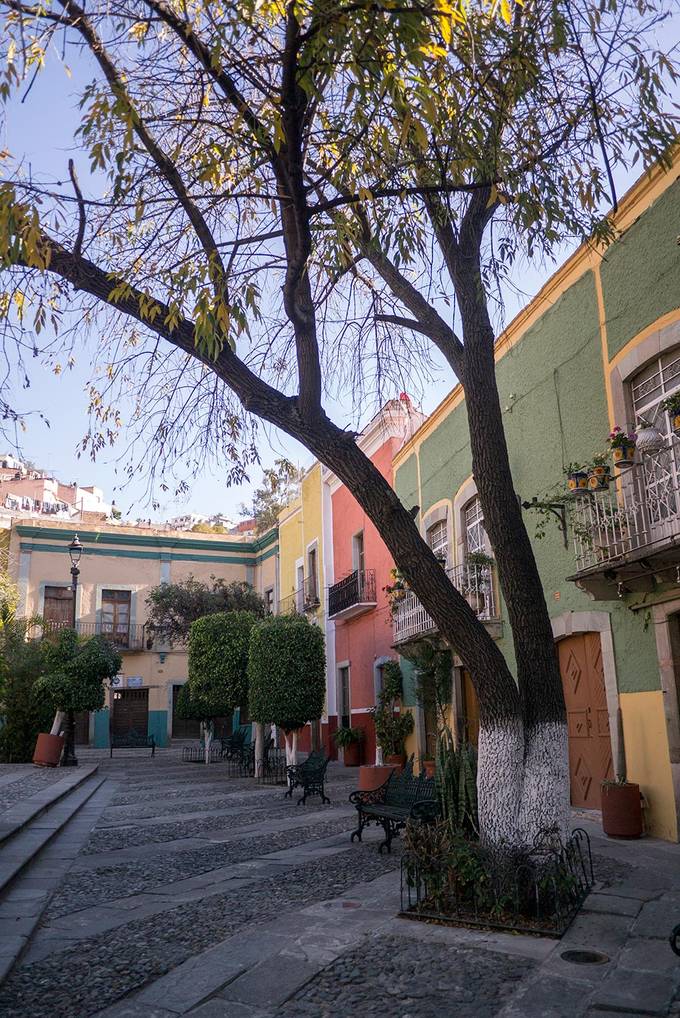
(134, 681)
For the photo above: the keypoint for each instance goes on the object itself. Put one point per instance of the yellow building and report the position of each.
(119, 566)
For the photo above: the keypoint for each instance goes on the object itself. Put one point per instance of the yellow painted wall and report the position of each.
(290, 547)
(300, 524)
(648, 759)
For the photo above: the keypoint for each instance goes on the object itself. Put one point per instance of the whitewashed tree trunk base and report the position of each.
(258, 728)
(545, 791)
(58, 723)
(500, 767)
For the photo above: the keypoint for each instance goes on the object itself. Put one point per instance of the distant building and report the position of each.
(29, 492)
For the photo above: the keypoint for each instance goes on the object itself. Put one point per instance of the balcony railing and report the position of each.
(410, 620)
(639, 513)
(310, 594)
(352, 595)
(131, 637)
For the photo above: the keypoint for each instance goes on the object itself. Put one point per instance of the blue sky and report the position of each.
(41, 129)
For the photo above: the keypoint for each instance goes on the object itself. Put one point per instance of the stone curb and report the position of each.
(17, 817)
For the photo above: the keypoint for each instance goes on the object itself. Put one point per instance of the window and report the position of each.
(475, 534)
(343, 696)
(661, 471)
(438, 540)
(269, 601)
(312, 592)
(358, 551)
(58, 608)
(300, 588)
(115, 617)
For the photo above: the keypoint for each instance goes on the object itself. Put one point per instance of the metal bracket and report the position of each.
(559, 511)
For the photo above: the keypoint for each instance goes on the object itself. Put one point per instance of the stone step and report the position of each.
(21, 814)
(35, 823)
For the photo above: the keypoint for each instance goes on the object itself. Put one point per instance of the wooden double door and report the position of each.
(130, 711)
(590, 750)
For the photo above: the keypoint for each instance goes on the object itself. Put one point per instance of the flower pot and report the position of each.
(396, 761)
(621, 810)
(352, 754)
(475, 600)
(624, 456)
(429, 766)
(48, 750)
(598, 478)
(577, 482)
(675, 423)
(373, 776)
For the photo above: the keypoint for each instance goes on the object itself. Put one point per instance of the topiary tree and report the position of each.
(75, 672)
(218, 666)
(287, 675)
(173, 607)
(25, 712)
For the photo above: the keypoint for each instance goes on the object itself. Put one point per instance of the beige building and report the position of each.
(119, 566)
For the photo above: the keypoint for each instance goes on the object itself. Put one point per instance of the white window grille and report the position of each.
(438, 540)
(648, 388)
(475, 534)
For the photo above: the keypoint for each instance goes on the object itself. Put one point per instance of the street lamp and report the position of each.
(75, 550)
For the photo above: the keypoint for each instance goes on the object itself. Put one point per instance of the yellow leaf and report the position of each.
(447, 30)
(506, 13)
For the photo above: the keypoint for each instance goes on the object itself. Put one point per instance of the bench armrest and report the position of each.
(425, 810)
(370, 797)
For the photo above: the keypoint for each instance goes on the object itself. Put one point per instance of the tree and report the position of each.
(173, 607)
(194, 706)
(24, 711)
(75, 671)
(218, 665)
(280, 485)
(323, 195)
(286, 675)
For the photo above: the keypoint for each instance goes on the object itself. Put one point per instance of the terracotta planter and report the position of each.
(352, 754)
(396, 761)
(621, 810)
(371, 777)
(48, 750)
(429, 766)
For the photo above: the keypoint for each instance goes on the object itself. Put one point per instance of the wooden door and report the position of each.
(470, 715)
(130, 710)
(82, 729)
(590, 750)
(58, 607)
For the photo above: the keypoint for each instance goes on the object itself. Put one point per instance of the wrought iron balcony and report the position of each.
(310, 594)
(626, 536)
(353, 595)
(130, 637)
(410, 620)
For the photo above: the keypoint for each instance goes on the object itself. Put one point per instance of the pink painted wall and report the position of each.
(363, 639)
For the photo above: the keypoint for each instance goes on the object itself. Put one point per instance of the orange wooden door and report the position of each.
(590, 751)
(470, 710)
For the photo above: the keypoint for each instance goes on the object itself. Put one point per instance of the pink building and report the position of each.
(357, 603)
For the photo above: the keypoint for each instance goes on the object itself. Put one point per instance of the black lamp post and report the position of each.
(75, 550)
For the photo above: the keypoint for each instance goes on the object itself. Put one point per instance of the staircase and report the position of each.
(28, 874)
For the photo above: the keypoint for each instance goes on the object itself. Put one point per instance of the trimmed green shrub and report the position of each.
(24, 710)
(191, 706)
(218, 660)
(75, 671)
(286, 672)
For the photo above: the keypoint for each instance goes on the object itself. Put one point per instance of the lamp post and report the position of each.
(75, 550)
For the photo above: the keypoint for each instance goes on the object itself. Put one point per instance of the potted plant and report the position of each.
(349, 740)
(476, 579)
(598, 474)
(622, 446)
(396, 590)
(621, 799)
(429, 766)
(577, 478)
(671, 404)
(392, 725)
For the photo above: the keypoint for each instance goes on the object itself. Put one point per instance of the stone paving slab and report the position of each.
(612, 903)
(657, 919)
(627, 989)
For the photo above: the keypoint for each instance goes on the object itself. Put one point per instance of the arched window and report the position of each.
(648, 388)
(438, 539)
(475, 534)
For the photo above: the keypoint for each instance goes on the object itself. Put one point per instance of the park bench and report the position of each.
(310, 776)
(234, 745)
(132, 740)
(401, 798)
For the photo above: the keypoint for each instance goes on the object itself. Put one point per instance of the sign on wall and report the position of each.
(117, 680)
(134, 681)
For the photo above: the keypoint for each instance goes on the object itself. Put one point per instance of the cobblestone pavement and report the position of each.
(31, 779)
(208, 896)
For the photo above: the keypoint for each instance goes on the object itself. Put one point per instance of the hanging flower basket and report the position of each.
(577, 481)
(598, 476)
(671, 404)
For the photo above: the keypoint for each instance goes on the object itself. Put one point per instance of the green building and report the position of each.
(598, 347)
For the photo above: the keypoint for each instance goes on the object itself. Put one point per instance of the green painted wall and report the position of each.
(157, 726)
(408, 482)
(552, 383)
(641, 271)
(101, 728)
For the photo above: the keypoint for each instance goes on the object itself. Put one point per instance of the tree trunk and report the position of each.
(258, 728)
(57, 723)
(207, 738)
(291, 747)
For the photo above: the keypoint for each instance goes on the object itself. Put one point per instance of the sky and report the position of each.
(41, 129)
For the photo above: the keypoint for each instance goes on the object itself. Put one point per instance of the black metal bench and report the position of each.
(403, 797)
(233, 745)
(310, 776)
(132, 740)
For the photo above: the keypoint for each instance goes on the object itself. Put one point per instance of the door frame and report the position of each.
(572, 623)
(669, 685)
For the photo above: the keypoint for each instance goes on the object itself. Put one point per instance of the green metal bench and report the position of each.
(233, 745)
(310, 776)
(132, 740)
(403, 797)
